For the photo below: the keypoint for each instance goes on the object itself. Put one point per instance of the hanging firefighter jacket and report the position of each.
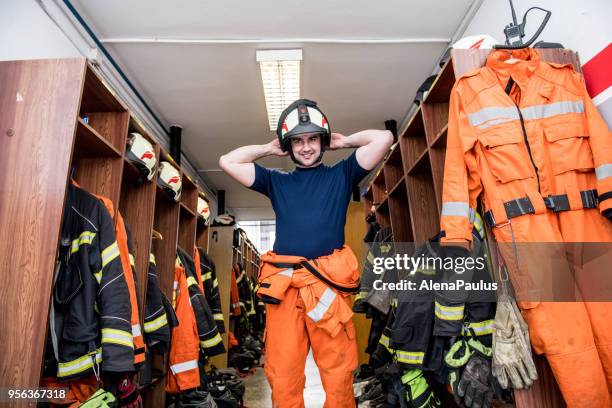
(157, 331)
(184, 373)
(90, 313)
(374, 237)
(210, 339)
(234, 293)
(410, 338)
(129, 274)
(527, 139)
(245, 293)
(319, 283)
(211, 286)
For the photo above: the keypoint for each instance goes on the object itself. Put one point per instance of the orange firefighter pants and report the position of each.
(576, 337)
(289, 335)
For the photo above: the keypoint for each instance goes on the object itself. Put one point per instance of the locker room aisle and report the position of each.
(258, 390)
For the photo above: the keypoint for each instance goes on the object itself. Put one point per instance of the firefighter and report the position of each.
(310, 204)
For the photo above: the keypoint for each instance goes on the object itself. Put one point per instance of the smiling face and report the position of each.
(306, 148)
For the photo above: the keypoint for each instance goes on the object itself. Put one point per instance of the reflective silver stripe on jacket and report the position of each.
(110, 253)
(552, 109)
(287, 272)
(185, 366)
(458, 209)
(449, 312)
(325, 302)
(136, 330)
(495, 115)
(604, 171)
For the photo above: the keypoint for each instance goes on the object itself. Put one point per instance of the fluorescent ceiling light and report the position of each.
(280, 75)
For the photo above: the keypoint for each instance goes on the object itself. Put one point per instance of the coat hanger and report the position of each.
(157, 235)
(512, 60)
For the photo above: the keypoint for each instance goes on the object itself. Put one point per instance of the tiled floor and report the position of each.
(257, 393)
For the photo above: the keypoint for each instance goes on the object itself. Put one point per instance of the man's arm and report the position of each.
(372, 145)
(239, 163)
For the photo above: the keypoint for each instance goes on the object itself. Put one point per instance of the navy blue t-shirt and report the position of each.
(310, 205)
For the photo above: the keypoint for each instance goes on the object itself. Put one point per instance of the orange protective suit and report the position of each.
(538, 153)
(184, 373)
(129, 273)
(304, 310)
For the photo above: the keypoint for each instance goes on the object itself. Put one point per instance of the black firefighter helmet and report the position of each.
(302, 116)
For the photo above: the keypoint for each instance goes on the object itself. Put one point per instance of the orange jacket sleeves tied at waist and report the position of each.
(338, 277)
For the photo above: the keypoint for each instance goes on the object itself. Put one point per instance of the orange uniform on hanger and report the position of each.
(234, 295)
(184, 373)
(129, 275)
(527, 139)
(306, 310)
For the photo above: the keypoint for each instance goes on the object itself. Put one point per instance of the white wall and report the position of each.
(26, 32)
(582, 26)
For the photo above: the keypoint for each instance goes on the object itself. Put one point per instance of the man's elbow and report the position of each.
(387, 139)
(223, 163)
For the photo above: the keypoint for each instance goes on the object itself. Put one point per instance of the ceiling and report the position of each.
(213, 88)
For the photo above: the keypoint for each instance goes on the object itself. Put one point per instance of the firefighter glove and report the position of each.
(513, 364)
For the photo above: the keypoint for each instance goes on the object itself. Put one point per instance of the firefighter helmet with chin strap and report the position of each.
(140, 152)
(301, 117)
(170, 180)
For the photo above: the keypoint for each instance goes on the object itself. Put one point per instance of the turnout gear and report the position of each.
(195, 399)
(129, 273)
(513, 364)
(304, 310)
(469, 378)
(234, 294)
(170, 180)
(79, 391)
(140, 152)
(210, 339)
(520, 150)
(418, 392)
(90, 312)
(318, 285)
(410, 338)
(211, 286)
(100, 399)
(157, 331)
(184, 373)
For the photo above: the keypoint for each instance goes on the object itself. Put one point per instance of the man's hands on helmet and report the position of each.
(338, 141)
(274, 148)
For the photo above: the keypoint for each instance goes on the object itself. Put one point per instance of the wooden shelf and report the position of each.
(186, 210)
(90, 144)
(413, 142)
(421, 163)
(397, 185)
(153, 382)
(393, 169)
(400, 214)
(441, 88)
(98, 96)
(439, 141)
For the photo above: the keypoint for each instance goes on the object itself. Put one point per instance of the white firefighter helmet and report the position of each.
(141, 153)
(170, 180)
(203, 209)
